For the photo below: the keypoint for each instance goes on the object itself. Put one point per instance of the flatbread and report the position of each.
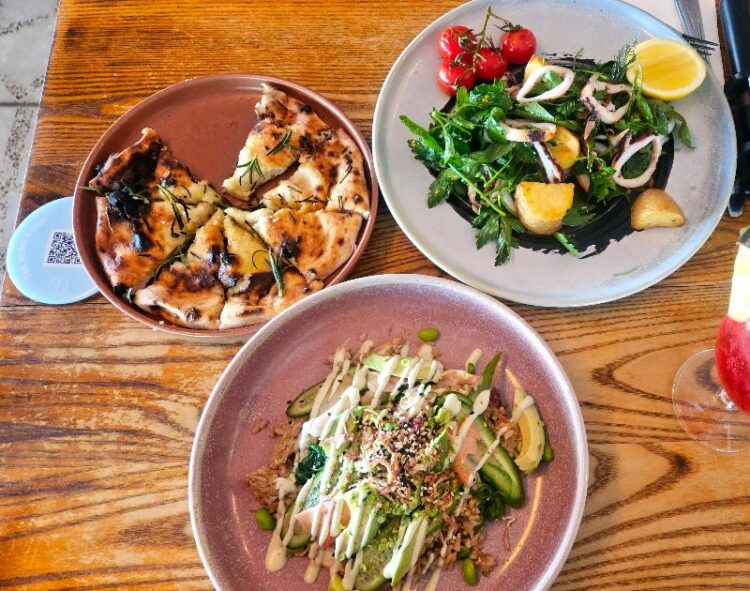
(245, 254)
(131, 250)
(189, 293)
(285, 129)
(148, 205)
(316, 243)
(349, 192)
(330, 176)
(260, 299)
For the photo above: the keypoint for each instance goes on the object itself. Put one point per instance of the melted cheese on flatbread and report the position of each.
(285, 128)
(189, 293)
(316, 243)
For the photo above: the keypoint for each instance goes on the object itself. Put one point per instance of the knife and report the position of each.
(734, 17)
(690, 15)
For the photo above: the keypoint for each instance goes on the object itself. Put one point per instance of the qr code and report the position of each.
(62, 249)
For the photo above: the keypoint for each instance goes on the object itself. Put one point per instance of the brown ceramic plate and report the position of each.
(205, 122)
(258, 383)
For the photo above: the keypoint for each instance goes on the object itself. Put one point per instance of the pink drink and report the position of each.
(733, 360)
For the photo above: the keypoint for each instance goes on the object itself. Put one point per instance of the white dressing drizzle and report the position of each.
(338, 360)
(351, 570)
(520, 408)
(434, 578)
(311, 572)
(402, 379)
(409, 536)
(480, 405)
(482, 461)
(295, 511)
(383, 378)
(473, 358)
(365, 348)
(425, 352)
(452, 403)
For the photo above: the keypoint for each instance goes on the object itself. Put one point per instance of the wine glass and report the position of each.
(711, 391)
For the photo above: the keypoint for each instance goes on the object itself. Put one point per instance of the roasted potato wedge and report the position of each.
(655, 208)
(542, 206)
(564, 147)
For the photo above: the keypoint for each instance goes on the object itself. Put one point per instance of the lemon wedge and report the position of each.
(739, 300)
(667, 69)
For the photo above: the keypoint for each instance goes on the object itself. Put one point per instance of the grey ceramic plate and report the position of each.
(288, 354)
(701, 179)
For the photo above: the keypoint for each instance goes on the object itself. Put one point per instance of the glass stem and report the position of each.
(729, 406)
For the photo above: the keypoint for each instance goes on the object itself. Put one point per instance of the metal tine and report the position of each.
(698, 41)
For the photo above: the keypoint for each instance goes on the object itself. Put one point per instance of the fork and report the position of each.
(704, 47)
(690, 15)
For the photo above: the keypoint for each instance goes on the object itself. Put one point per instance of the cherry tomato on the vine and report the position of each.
(490, 64)
(455, 41)
(450, 76)
(518, 45)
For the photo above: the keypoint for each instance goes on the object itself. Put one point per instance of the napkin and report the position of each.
(666, 11)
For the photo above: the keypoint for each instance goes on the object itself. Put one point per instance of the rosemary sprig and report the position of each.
(346, 174)
(178, 254)
(283, 143)
(173, 201)
(251, 166)
(277, 271)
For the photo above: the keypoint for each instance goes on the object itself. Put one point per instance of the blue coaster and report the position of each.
(43, 261)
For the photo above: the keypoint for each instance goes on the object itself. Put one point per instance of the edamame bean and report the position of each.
(429, 335)
(469, 572)
(265, 520)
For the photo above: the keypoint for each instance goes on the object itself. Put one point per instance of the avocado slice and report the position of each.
(512, 494)
(406, 550)
(375, 556)
(532, 435)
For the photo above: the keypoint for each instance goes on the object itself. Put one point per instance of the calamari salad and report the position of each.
(387, 470)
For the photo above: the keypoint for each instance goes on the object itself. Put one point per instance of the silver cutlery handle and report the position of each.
(690, 15)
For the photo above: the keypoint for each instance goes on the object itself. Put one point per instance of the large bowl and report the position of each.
(288, 354)
(205, 122)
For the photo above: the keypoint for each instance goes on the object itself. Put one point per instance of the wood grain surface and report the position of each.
(97, 413)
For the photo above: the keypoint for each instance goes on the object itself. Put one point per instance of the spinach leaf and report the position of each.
(490, 153)
(440, 188)
(489, 230)
(486, 96)
(311, 464)
(491, 505)
(533, 111)
(503, 243)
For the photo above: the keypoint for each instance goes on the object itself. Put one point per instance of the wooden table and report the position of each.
(97, 413)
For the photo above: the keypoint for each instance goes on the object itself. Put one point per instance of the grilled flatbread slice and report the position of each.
(349, 192)
(316, 243)
(132, 248)
(245, 255)
(148, 205)
(259, 300)
(330, 176)
(188, 292)
(285, 128)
